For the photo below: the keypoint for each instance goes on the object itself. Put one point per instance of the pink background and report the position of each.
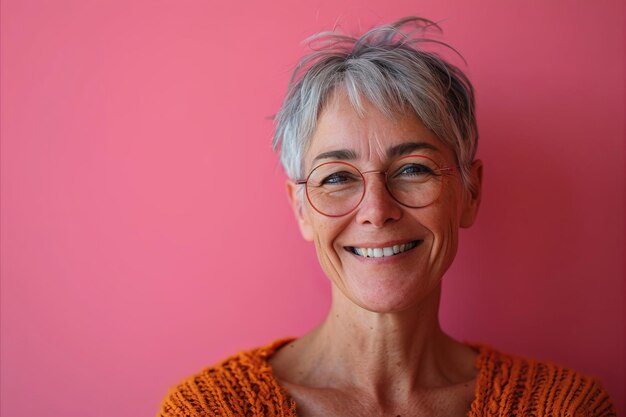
(146, 232)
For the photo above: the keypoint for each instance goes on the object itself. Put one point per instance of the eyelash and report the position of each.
(423, 169)
(329, 179)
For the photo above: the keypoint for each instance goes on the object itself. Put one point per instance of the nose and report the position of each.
(378, 207)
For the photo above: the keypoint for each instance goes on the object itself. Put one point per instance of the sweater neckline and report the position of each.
(482, 372)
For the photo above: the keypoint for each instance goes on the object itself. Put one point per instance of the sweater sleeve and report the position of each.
(181, 401)
(510, 385)
(595, 401)
(213, 392)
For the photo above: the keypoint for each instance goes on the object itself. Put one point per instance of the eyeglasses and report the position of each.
(336, 188)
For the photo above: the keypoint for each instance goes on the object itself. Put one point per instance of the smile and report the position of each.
(383, 252)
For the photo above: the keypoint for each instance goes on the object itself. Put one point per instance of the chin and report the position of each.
(386, 299)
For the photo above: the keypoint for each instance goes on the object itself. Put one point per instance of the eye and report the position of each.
(414, 170)
(338, 178)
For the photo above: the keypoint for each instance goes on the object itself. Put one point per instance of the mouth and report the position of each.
(383, 251)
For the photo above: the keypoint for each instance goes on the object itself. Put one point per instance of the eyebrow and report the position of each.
(341, 154)
(408, 147)
(393, 152)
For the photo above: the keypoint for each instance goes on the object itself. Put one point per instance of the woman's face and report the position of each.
(389, 283)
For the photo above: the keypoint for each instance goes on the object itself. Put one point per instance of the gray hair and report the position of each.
(386, 67)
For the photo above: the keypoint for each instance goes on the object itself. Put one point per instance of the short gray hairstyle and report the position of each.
(385, 66)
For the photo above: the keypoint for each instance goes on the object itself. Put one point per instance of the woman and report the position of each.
(378, 139)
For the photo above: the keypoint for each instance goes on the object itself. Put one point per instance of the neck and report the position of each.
(381, 352)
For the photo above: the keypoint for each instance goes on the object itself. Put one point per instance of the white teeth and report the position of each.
(381, 252)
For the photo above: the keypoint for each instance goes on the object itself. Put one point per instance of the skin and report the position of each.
(381, 350)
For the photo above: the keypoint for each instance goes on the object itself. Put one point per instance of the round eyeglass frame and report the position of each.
(448, 169)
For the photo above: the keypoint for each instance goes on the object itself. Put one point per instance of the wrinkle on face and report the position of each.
(376, 148)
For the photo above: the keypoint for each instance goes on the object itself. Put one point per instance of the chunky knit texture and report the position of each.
(243, 385)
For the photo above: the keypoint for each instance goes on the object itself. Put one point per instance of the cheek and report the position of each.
(444, 228)
(327, 231)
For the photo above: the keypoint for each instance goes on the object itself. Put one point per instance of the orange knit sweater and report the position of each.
(243, 385)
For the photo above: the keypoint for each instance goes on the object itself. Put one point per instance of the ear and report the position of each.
(297, 201)
(472, 197)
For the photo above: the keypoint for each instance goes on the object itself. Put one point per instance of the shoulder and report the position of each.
(242, 384)
(515, 385)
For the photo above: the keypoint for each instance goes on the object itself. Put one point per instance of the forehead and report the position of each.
(369, 136)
